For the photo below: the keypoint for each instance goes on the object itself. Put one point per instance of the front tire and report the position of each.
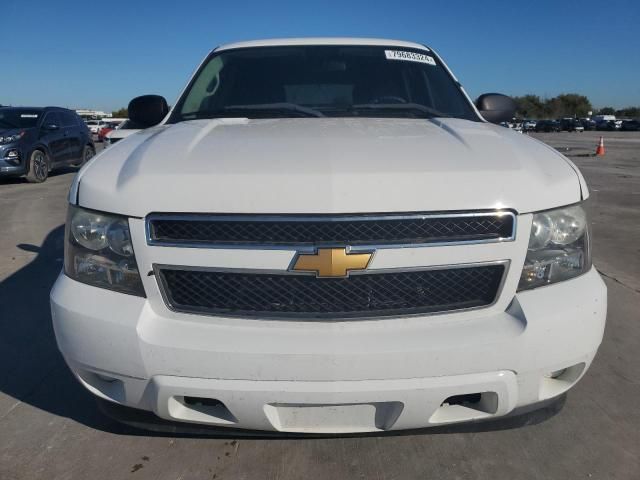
(87, 154)
(38, 167)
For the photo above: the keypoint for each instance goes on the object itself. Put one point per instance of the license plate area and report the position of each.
(333, 418)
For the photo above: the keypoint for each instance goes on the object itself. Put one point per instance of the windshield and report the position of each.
(323, 81)
(19, 118)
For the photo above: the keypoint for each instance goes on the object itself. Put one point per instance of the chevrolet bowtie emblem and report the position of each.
(331, 262)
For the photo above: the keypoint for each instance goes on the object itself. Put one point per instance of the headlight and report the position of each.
(99, 252)
(11, 138)
(558, 247)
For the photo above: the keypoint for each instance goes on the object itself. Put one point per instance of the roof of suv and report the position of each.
(279, 42)
(22, 108)
(38, 108)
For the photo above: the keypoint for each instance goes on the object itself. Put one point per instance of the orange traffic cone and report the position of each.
(600, 147)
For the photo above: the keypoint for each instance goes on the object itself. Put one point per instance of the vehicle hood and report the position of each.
(326, 165)
(11, 131)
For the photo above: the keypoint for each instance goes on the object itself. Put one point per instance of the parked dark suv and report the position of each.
(33, 141)
(571, 125)
(630, 125)
(547, 126)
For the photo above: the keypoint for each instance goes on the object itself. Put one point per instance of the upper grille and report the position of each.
(359, 295)
(318, 230)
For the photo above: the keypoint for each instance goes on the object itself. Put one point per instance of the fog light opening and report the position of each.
(558, 381)
(468, 399)
(467, 406)
(203, 402)
(200, 409)
(104, 378)
(556, 373)
(12, 156)
(486, 402)
(104, 386)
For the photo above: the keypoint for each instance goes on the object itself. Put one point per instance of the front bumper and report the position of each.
(8, 167)
(330, 377)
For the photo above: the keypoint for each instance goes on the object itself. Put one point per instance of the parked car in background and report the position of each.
(588, 123)
(529, 125)
(103, 132)
(123, 130)
(34, 141)
(513, 124)
(603, 118)
(630, 125)
(94, 126)
(609, 125)
(110, 126)
(547, 126)
(571, 125)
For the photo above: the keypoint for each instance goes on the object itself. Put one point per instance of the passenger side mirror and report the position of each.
(50, 127)
(148, 110)
(495, 107)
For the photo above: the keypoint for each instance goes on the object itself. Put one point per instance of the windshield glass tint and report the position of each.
(18, 118)
(316, 81)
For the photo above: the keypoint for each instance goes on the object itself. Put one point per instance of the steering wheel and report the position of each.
(389, 99)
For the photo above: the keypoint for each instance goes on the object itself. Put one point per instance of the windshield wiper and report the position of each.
(414, 107)
(276, 107)
(261, 109)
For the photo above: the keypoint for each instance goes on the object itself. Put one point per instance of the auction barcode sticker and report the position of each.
(409, 56)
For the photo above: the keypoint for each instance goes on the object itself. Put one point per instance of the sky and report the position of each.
(100, 54)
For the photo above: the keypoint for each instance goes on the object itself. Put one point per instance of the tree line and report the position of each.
(566, 105)
(121, 113)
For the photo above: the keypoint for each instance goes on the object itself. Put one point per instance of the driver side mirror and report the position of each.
(496, 108)
(148, 110)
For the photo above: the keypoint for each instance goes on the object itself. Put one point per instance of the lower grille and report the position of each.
(391, 293)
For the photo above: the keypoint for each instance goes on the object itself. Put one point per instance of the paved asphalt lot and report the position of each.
(50, 428)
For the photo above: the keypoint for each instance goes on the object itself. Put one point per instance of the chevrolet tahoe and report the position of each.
(327, 236)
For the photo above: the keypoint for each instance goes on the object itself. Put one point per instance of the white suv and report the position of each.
(95, 126)
(327, 236)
